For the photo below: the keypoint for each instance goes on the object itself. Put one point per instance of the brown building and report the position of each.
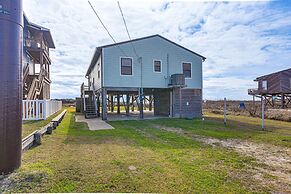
(37, 41)
(275, 88)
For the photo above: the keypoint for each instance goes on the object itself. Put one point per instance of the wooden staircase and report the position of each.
(90, 111)
(89, 100)
(33, 84)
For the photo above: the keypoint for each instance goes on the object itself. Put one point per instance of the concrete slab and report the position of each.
(113, 116)
(94, 124)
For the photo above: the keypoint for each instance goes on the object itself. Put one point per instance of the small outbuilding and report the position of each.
(152, 76)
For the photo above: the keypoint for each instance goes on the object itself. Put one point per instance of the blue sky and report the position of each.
(241, 40)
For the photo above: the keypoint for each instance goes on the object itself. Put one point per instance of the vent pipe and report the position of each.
(11, 46)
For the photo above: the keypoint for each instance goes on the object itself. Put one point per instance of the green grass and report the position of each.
(243, 127)
(30, 126)
(74, 159)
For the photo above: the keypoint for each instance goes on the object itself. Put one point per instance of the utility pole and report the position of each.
(263, 113)
(11, 46)
(224, 111)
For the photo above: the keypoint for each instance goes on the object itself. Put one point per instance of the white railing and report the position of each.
(39, 109)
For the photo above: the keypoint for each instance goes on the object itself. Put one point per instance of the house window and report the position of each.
(98, 74)
(157, 66)
(264, 85)
(187, 71)
(126, 66)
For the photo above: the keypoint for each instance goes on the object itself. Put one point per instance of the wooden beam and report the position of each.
(282, 101)
(150, 103)
(118, 104)
(141, 104)
(98, 106)
(112, 103)
(132, 107)
(127, 104)
(104, 104)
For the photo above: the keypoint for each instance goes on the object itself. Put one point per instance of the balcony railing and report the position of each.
(253, 91)
(36, 44)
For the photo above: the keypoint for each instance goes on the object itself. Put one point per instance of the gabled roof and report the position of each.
(99, 49)
(271, 74)
(46, 31)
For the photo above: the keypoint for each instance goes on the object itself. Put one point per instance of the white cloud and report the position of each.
(241, 40)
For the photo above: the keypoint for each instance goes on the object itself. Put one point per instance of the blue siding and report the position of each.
(150, 49)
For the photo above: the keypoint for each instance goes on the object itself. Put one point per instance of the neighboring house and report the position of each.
(275, 88)
(37, 41)
(152, 68)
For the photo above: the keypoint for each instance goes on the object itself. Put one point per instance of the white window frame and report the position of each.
(154, 66)
(120, 65)
(183, 71)
(264, 81)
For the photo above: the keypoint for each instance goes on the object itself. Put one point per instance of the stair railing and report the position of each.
(25, 72)
(94, 97)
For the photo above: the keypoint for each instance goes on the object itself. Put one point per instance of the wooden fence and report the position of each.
(39, 109)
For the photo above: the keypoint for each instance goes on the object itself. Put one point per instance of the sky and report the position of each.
(241, 40)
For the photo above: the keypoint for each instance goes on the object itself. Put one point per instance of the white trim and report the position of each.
(120, 65)
(183, 71)
(154, 65)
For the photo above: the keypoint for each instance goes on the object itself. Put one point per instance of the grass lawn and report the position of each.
(30, 126)
(249, 128)
(74, 159)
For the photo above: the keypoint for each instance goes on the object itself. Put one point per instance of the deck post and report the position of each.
(263, 113)
(150, 103)
(132, 107)
(282, 101)
(127, 104)
(112, 103)
(118, 104)
(224, 112)
(141, 103)
(98, 106)
(104, 104)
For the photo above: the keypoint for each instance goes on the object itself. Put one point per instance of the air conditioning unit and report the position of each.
(177, 80)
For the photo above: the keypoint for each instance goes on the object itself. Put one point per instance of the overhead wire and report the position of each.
(123, 18)
(106, 28)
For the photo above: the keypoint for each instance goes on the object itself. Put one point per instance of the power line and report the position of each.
(127, 29)
(105, 27)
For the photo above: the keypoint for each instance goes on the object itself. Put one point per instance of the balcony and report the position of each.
(256, 91)
(253, 91)
(36, 44)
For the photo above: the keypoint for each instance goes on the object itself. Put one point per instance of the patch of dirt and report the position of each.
(171, 129)
(276, 160)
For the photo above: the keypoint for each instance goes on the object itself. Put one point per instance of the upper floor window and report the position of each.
(264, 85)
(187, 69)
(157, 66)
(126, 66)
